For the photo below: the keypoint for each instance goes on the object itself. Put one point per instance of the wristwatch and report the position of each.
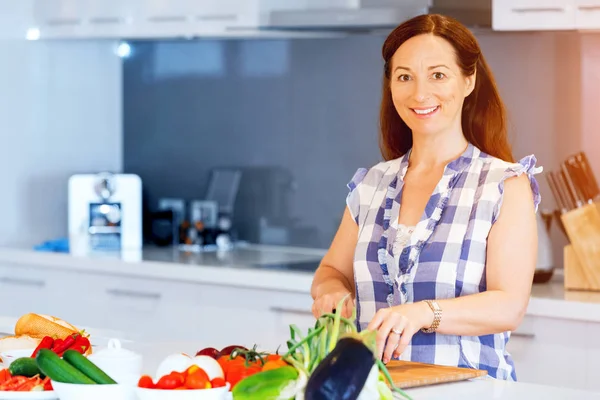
(437, 316)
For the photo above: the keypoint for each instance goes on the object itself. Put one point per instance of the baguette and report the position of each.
(40, 325)
(22, 342)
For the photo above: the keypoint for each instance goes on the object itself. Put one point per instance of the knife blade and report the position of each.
(589, 175)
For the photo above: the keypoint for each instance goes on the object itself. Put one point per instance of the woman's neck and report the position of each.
(433, 151)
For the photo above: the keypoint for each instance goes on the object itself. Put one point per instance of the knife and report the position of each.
(564, 189)
(580, 183)
(589, 175)
(558, 198)
(571, 186)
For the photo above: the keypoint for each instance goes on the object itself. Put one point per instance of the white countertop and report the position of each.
(267, 267)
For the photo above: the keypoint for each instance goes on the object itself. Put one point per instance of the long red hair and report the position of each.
(483, 113)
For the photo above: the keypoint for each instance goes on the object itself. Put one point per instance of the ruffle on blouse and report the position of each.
(526, 165)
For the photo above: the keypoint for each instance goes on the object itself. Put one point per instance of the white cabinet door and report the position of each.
(76, 19)
(587, 14)
(546, 351)
(527, 15)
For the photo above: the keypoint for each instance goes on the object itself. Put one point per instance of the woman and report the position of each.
(437, 245)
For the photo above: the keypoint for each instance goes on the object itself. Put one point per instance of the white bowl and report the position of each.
(220, 393)
(70, 391)
(11, 355)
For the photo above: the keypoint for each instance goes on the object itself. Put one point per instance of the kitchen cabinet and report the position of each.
(587, 14)
(551, 352)
(76, 19)
(533, 15)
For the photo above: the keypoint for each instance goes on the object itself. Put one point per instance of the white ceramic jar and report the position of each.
(124, 366)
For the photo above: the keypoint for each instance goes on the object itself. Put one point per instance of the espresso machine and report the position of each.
(105, 212)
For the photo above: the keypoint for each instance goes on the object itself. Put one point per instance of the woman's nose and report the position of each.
(421, 91)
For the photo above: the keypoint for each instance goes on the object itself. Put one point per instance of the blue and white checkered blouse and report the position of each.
(445, 255)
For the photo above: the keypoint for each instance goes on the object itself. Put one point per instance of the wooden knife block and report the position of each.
(582, 255)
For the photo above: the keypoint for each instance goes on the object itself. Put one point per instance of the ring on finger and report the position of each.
(396, 331)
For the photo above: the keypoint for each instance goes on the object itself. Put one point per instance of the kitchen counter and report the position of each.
(475, 389)
(287, 269)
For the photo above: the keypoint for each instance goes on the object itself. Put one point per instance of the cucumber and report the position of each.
(25, 366)
(59, 370)
(90, 369)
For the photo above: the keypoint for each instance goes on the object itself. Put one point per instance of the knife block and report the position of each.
(582, 255)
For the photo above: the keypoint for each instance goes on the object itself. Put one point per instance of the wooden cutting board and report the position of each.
(407, 374)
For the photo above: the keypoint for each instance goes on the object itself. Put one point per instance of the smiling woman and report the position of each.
(437, 246)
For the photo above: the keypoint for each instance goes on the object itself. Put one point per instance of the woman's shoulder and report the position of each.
(498, 169)
(373, 175)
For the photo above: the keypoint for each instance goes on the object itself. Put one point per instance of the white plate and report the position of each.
(46, 395)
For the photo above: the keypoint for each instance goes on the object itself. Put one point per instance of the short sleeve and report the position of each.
(353, 198)
(526, 165)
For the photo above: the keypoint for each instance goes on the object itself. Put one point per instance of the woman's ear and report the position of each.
(470, 83)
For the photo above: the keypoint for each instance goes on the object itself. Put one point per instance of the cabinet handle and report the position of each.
(291, 311)
(22, 282)
(523, 335)
(217, 17)
(537, 9)
(589, 7)
(133, 294)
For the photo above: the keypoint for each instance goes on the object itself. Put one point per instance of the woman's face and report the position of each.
(428, 88)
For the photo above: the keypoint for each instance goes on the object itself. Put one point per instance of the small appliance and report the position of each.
(105, 212)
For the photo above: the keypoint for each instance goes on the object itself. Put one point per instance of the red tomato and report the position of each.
(197, 380)
(239, 370)
(218, 382)
(171, 381)
(146, 382)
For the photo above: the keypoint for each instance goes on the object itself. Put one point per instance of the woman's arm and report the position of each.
(511, 260)
(510, 265)
(334, 278)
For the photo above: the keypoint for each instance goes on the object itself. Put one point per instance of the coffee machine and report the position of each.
(105, 212)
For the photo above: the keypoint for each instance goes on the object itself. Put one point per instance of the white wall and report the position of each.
(60, 114)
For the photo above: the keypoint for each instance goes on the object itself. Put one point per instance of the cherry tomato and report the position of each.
(218, 382)
(146, 382)
(171, 381)
(197, 380)
(273, 357)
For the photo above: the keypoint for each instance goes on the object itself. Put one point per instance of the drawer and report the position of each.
(527, 15)
(587, 14)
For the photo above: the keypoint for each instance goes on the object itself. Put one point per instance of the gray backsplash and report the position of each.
(299, 116)
(302, 111)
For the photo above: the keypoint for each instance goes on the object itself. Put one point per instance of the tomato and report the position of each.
(225, 362)
(239, 370)
(146, 382)
(273, 357)
(209, 351)
(171, 381)
(198, 379)
(5, 375)
(218, 382)
(274, 364)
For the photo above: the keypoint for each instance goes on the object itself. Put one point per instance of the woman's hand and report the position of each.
(396, 326)
(329, 301)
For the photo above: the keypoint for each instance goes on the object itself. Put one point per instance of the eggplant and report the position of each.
(343, 373)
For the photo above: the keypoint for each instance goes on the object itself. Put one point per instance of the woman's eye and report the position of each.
(403, 78)
(438, 75)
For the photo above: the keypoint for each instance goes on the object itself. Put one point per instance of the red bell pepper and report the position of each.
(46, 343)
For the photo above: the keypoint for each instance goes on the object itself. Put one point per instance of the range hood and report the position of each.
(375, 15)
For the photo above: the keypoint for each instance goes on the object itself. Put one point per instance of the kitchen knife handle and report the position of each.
(563, 190)
(560, 203)
(570, 186)
(579, 181)
(588, 173)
